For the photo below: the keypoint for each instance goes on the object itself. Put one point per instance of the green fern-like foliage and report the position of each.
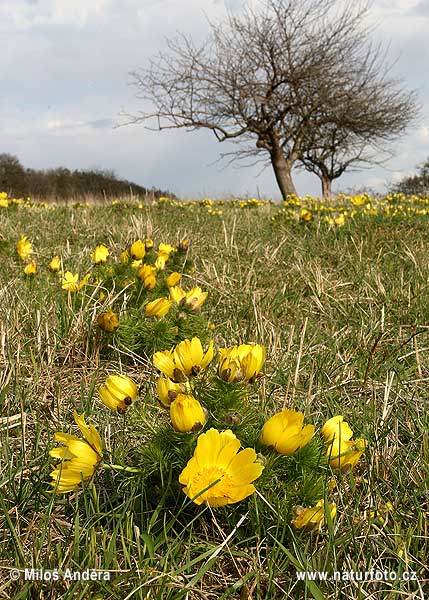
(145, 335)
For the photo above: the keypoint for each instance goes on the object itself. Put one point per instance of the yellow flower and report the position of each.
(157, 308)
(24, 248)
(285, 433)
(185, 360)
(79, 458)
(138, 250)
(241, 363)
(218, 474)
(340, 220)
(173, 279)
(55, 264)
(99, 254)
(167, 390)
(160, 262)
(136, 264)
(190, 356)
(147, 274)
(343, 452)
(118, 392)
(177, 294)
(194, 299)
(31, 268)
(108, 321)
(186, 413)
(183, 245)
(125, 257)
(336, 427)
(148, 243)
(305, 215)
(84, 281)
(70, 282)
(165, 249)
(310, 518)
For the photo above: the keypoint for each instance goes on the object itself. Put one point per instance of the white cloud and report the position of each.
(76, 13)
(422, 134)
(397, 176)
(21, 15)
(376, 183)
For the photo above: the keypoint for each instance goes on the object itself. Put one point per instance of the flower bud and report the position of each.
(187, 414)
(118, 392)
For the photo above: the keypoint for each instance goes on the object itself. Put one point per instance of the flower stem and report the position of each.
(122, 468)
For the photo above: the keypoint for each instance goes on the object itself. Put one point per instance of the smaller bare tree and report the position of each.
(380, 115)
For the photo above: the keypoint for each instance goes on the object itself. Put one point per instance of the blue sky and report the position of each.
(65, 68)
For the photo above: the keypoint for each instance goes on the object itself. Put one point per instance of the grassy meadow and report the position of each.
(336, 293)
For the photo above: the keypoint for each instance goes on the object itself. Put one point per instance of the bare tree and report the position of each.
(374, 113)
(269, 79)
(414, 184)
(12, 175)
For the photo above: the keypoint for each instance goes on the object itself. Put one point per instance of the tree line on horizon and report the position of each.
(62, 183)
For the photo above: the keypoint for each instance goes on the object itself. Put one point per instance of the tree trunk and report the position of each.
(326, 186)
(283, 172)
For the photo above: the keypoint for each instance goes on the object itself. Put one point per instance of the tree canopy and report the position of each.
(63, 183)
(281, 83)
(415, 184)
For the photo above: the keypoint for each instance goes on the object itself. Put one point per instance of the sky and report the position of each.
(65, 86)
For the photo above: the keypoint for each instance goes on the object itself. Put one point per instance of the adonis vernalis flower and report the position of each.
(177, 294)
(83, 282)
(147, 274)
(173, 279)
(24, 248)
(118, 393)
(314, 517)
(157, 308)
(185, 360)
(305, 215)
(167, 390)
(241, 363)
(31, 268)
(160, 261)
(55, 264)
(4, 202)
(186, 413)
(79, 457)
(183, 245)
(218, 474)
(343, 452)
(99, 254)
(194, 299)
(108, 321)
(138, 250)
(336, 427)
(165, 249)
(125, 257)
(285, 433)
(70, 282)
